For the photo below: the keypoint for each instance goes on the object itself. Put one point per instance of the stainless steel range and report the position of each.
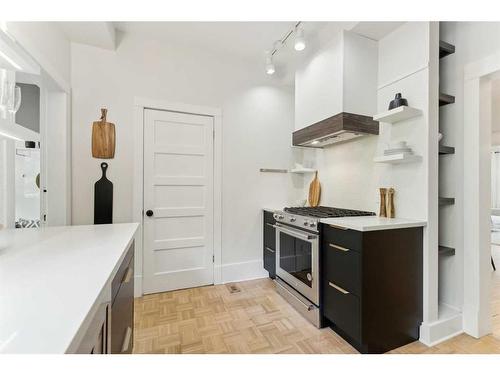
(297, 255)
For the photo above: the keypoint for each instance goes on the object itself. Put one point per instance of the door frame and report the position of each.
(477, 188)
(140, 105)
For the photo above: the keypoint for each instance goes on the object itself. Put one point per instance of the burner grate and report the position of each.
(324, 212)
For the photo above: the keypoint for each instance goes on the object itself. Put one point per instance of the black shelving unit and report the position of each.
(446, 150)
(445, 49)
(446, 201)
(445, 250)
(445, 99)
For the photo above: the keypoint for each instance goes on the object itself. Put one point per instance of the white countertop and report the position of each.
(50, 279)
(371, 223)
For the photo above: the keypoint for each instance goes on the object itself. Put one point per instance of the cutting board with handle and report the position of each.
(103, 198)
(103, 138)
(314, 191)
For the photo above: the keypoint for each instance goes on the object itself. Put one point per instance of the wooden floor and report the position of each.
(255, 319)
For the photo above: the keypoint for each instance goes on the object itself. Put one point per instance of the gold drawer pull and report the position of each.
(343, 291)
(337, 227)
(126, 340)
(339, 247)
(128, 275)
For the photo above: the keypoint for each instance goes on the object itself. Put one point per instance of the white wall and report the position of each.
(257, 124)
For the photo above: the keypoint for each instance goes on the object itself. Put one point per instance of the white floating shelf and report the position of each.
(397, 158)
(398, 114)
(302, 170)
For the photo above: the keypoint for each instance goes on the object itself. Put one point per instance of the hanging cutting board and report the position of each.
(103, 199)
(103, 138)
(314, 191)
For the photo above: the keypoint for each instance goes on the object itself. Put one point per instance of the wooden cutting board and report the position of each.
(314, 191)
(103, 138)
(103, 198)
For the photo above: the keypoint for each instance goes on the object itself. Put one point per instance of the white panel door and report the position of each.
(178, 189)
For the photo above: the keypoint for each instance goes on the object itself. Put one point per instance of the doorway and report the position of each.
(178, 224)
(479, 77)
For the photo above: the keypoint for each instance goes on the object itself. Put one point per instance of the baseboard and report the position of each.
(242, 271)
(231, 272)
(441, 330)
(137, 286)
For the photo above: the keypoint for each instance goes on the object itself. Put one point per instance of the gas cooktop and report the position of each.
(325, 212)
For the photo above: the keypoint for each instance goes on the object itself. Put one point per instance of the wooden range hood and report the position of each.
(339, 128)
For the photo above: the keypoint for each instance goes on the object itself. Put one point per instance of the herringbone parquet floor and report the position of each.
(256, 319)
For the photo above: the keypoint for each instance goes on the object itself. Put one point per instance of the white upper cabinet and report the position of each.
(341, 76)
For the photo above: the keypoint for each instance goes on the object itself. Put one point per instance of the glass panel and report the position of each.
(296, 257)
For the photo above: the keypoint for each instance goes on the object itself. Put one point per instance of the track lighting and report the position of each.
(300, 42)
(299, 45)
(269, 64)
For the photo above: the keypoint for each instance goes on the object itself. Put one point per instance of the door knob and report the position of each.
(149, 213)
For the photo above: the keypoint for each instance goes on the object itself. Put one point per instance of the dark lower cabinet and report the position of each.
(122, 307)
(95, 340)
(269, 251)
(112, 327)
(372, 286)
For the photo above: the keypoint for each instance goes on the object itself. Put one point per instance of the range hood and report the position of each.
(341, 127)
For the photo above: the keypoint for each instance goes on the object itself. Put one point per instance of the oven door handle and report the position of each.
(293, 233)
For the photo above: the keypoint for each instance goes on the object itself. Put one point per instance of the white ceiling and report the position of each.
(98, 34)
(244, 40)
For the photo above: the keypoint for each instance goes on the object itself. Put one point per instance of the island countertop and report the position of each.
(371, 223)
(51, 278)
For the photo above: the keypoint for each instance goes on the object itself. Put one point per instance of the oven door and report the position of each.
(297, 260)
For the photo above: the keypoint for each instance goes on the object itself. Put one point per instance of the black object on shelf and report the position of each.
(30, 144)
(103, 199)
(446, 150)
(445, 99)
(445, 49)
(398, 101)
(443, 200)
(445, 250)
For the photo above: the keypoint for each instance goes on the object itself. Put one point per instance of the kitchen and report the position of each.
(247, 212)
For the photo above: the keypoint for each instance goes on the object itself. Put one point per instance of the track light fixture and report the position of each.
(300, 42)
(270, 69)
(299, 45)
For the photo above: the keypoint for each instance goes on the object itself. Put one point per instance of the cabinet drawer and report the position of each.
(270, 261)
(122, 315)
(122, 272)
(269, 236)
(348, 238)
(342, 308)
(268, 217)
(342, 266)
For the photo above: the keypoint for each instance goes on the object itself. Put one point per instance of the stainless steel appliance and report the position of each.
(297, 255)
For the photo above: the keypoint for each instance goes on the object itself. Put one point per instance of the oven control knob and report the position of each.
(312, 224)
(292, 220)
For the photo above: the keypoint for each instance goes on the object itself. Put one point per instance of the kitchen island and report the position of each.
(54, 281)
